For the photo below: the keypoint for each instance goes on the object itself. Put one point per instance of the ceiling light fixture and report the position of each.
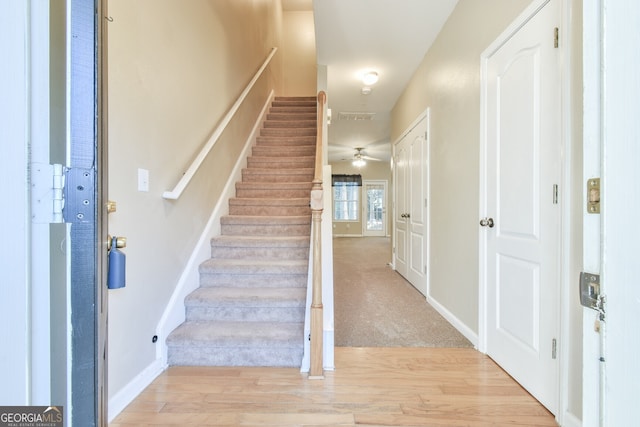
(358, 161)
(369, 78)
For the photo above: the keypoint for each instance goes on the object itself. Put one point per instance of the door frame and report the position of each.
(385, 221)
(565, 208)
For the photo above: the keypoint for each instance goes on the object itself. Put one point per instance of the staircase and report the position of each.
(249, 309)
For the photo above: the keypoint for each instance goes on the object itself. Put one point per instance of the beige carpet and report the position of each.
(376, 307)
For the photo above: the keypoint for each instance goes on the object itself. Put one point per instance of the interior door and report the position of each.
(375, 208)
(410, 210)
(520, 233)
(401, 208)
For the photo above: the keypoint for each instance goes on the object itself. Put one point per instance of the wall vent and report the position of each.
(355, 116)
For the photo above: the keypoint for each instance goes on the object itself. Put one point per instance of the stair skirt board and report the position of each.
(250, 306)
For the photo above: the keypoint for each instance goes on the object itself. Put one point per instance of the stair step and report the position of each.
(273, 189)
(298, 103)
(309, 98)
(294, 115)
(281, 162)
(253, 273)
(290, 124)
(293, 110)
(303, 140)
(277, 175)
(287, 132)
(236, 344)
(270, 207)
(233, 225)
(260, 248)
(246, 304)
(283, 151)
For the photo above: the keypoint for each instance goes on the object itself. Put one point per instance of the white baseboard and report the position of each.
(129, 392)
(457, 323)
(347, 235)
(174, 313)
(570, 420)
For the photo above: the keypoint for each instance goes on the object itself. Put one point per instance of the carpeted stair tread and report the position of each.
(290, 124)
(260, 247)
(283, 150)
(236, 344)
(247, 297)
(281, 116)
(266, 220)
(254, 267)
(238, 333)
(296, 140)
(273, 189)
(287, 131)
(260, 241)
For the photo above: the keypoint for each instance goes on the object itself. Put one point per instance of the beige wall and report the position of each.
(299, 54)
(373, 170)
(175, 68)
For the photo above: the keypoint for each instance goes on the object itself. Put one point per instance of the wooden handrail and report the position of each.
(316, 369)
(197, 162)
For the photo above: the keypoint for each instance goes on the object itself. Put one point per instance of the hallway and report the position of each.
(376, 307)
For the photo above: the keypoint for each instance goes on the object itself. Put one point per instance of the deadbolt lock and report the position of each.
(111, 206)
(121, 242)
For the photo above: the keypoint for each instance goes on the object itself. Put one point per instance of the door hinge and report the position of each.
(61, 194)
(554, 348)
(555, 194)
(556, 37)
(47, 193)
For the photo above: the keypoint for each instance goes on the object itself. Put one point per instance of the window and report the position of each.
(346, 197)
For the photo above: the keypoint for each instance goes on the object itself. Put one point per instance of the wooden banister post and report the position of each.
(316, 370)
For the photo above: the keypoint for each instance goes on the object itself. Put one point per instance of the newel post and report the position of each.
(316, 370)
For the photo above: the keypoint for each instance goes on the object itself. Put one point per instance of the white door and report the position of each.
(410, 215)
(400, 209)
(520, 233)
(374, 205)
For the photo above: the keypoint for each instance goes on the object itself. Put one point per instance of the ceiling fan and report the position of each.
(359, 158)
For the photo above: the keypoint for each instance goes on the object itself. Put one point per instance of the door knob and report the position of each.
(487, 222)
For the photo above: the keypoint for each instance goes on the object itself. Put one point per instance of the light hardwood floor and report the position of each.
(370, 386)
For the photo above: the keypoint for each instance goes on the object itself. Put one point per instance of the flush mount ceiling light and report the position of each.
(369, 78)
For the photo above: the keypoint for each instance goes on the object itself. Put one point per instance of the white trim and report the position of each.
(190, 279)
(125, 395)
(15, 304)
(570, 420)
(195, 165)
(455, 322)
(591, 167)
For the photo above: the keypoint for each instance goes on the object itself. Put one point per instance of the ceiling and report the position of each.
(352, 36)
